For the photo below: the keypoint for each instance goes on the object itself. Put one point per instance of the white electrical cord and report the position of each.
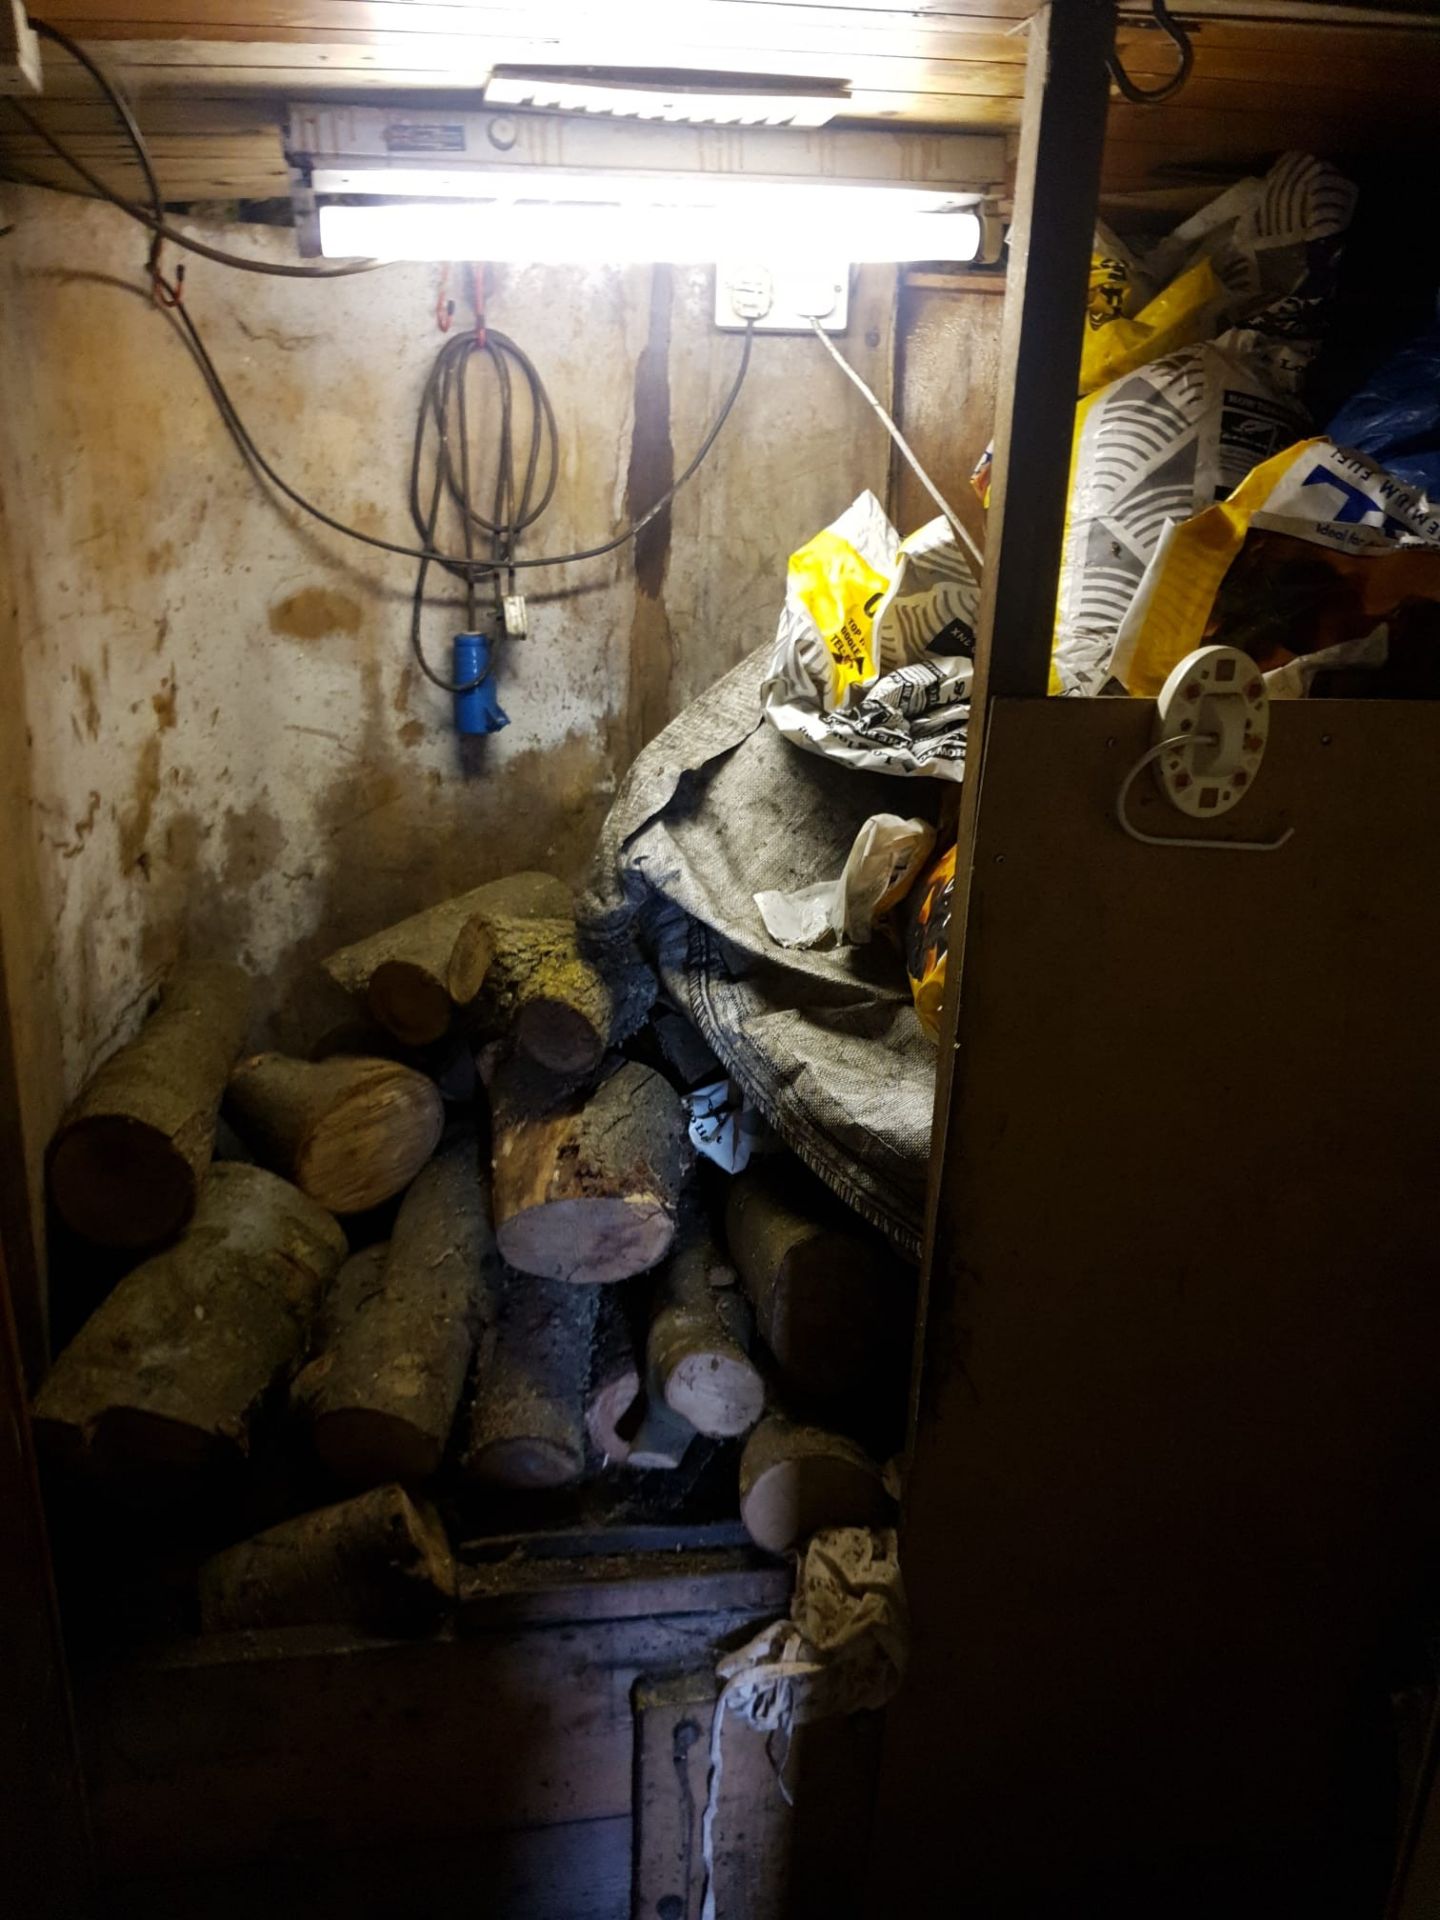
(1179, 839)
(899, 439)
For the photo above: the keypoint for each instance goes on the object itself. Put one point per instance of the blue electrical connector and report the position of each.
(477, 710)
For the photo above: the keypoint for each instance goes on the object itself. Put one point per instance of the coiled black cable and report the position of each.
(514, 510)
(445, 400)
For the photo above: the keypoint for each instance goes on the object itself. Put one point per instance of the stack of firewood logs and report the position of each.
(554, 1298)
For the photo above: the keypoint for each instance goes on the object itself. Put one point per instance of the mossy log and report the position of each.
(545, 994)
(381, 1394)
(129, 1159)
(377, 1561)
(165, 1377)
(589, 1194)
(413, 976)
(348, 1131)
(796, 1479)
(527, 1424)
(825, 1300)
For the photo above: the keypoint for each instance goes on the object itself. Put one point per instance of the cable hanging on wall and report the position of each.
(1152, 96)
(443, 406)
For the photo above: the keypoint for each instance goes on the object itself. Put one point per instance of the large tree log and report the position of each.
(376, 1561)
(165, 1377)
(381, 1394)
(128, 1160)
(613, 1400)
(825, 1301)
(589, 1194)
(350, 1132)
(795, 1480)
(527, 1425)
(542, 990)
(413, 975)
(695, 1363)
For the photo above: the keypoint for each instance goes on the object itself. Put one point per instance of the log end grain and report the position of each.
(720, 1393)
(360, 1446)
(613, 1413)
(372, 1142)
(528, 1461)
(560, 1036)
(408, 1002)
(795, 1480)
(589, 1241)
(129, 1159)
(121, 1182)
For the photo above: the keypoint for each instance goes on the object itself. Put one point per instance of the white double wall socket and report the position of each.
(779, 299)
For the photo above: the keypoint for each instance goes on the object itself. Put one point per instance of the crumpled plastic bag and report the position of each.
(725, 1126)
(1317, 549)
(844, 1649)
(1274, 244)
(1395, 415)
(875, 650)
(884, 863)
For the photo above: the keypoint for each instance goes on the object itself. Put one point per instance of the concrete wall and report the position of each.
(227, 748)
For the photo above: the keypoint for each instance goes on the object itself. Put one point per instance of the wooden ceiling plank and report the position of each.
(708, 22)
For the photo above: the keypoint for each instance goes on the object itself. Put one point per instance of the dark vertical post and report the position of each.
(44, 1841)
(1057, 187)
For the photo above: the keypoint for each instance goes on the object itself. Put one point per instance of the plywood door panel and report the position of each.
(1177, 1464)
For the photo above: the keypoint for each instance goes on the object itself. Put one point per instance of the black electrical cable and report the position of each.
(1152, 96)
(153, 217)
(516, 507)
(190, 333)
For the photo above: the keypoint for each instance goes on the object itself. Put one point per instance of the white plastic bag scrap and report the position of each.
(843, 1649)
(886, 859)
(875, 651)
(724, 1126)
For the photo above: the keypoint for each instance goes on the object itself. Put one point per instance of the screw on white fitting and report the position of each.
(1218, 695)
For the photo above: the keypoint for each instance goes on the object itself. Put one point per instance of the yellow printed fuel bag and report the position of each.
(875, 649)
(1318, 551)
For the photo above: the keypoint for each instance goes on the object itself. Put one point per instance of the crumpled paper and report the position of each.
(884, 862)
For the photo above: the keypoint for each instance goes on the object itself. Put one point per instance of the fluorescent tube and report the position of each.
(630, 222)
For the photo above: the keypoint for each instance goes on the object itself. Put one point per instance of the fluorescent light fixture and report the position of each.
(629, 222)
(678, 105)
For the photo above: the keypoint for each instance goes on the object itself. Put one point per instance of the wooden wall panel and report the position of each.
(949, 350)
(1176, 1471)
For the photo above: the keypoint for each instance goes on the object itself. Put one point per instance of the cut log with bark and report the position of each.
(589, 1194)
(129, 1159)
(825, 1300)
(614, 1397)
(381, 1394)
(379, 1561)
(348, 1131)
(359, 1278)
(797, 1479)
(414, 975)
(695, 1364)
(527, 1424)
(543, 992)
(165, 1377)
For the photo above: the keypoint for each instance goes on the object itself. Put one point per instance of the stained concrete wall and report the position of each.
(228, 749)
